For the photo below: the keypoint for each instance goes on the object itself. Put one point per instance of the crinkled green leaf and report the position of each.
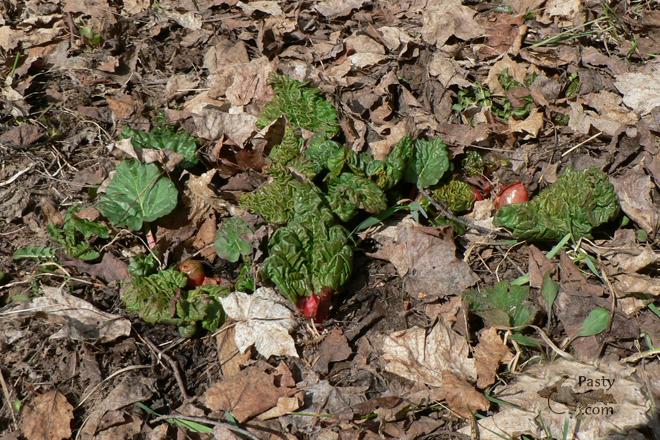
(429, 163)
(142, 265)
(502, 305)
(245, 279)
(348, 193)
(34, 253)
(473, 164)
(456, 195)
(232, 239)
(288, 149)
(165, 137)
(273, 201)
(303, 106)
(152, 297)
(390, 171)
(575, 204)
(203, 305)
(138, 193)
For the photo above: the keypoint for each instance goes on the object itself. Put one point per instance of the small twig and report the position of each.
(444, 211)
(7, 396)
(581, 143)
(208, 421)
(116, 373)
(173, 366)
(16, 176)
(644, 354)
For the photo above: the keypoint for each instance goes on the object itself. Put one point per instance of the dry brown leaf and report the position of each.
(132, 7)
(109, 269)
(631, 408)
(448, 71)
(121, 105)
(461, 397)
(212, 124)
(25, 134)
(179, 85)
(334, 348)
(421, 357)
(518, 72)
(442, 19)
(47, 417)
(131, 389)
(634, 190)
(285, 405)
(566, 12)
(267, 7)
(205, 237)
(230, 359)
(532, 124)
(251, 392)
(339, 8)
(428, 262)
(488, 355)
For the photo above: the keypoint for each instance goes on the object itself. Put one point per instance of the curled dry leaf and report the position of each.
(489, 354)
(84, 321)
(634, 190)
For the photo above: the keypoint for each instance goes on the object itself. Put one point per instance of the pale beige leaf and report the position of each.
(641, 91)
(264, 320)
(619, 395)
(419, 357)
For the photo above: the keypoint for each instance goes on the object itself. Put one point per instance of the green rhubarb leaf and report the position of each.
(387, 173)
(348, 193)
(575, 204)
(143, 265)
(75, 234)
(203, 305)
(165, 137)
(138, 193)
(233, 239)
(429, 163)
(153, 297)
(456, 195)
(302, 105)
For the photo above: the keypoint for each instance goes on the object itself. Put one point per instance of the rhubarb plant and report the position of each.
(575, 204)
(317, 185)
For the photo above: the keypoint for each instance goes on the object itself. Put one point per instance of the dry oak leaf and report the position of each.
(339, 8)
(634, 190)
(532, 124)
(489, 354)
(47, 417)
(641, 90)
(250, 392)
(421, 357)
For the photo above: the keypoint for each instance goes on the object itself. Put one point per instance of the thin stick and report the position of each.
(16, 176)
(116, 373)
(444, 211)
(7, 396)
(644, 354)
(173, 366)
(581, 143)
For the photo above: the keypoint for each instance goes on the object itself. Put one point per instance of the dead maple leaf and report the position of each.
(264, 320)
(334, 348)
(421, 357)
(47, 417)
(427, 262)
(443, 18)
(251, 392)
(489, 354)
